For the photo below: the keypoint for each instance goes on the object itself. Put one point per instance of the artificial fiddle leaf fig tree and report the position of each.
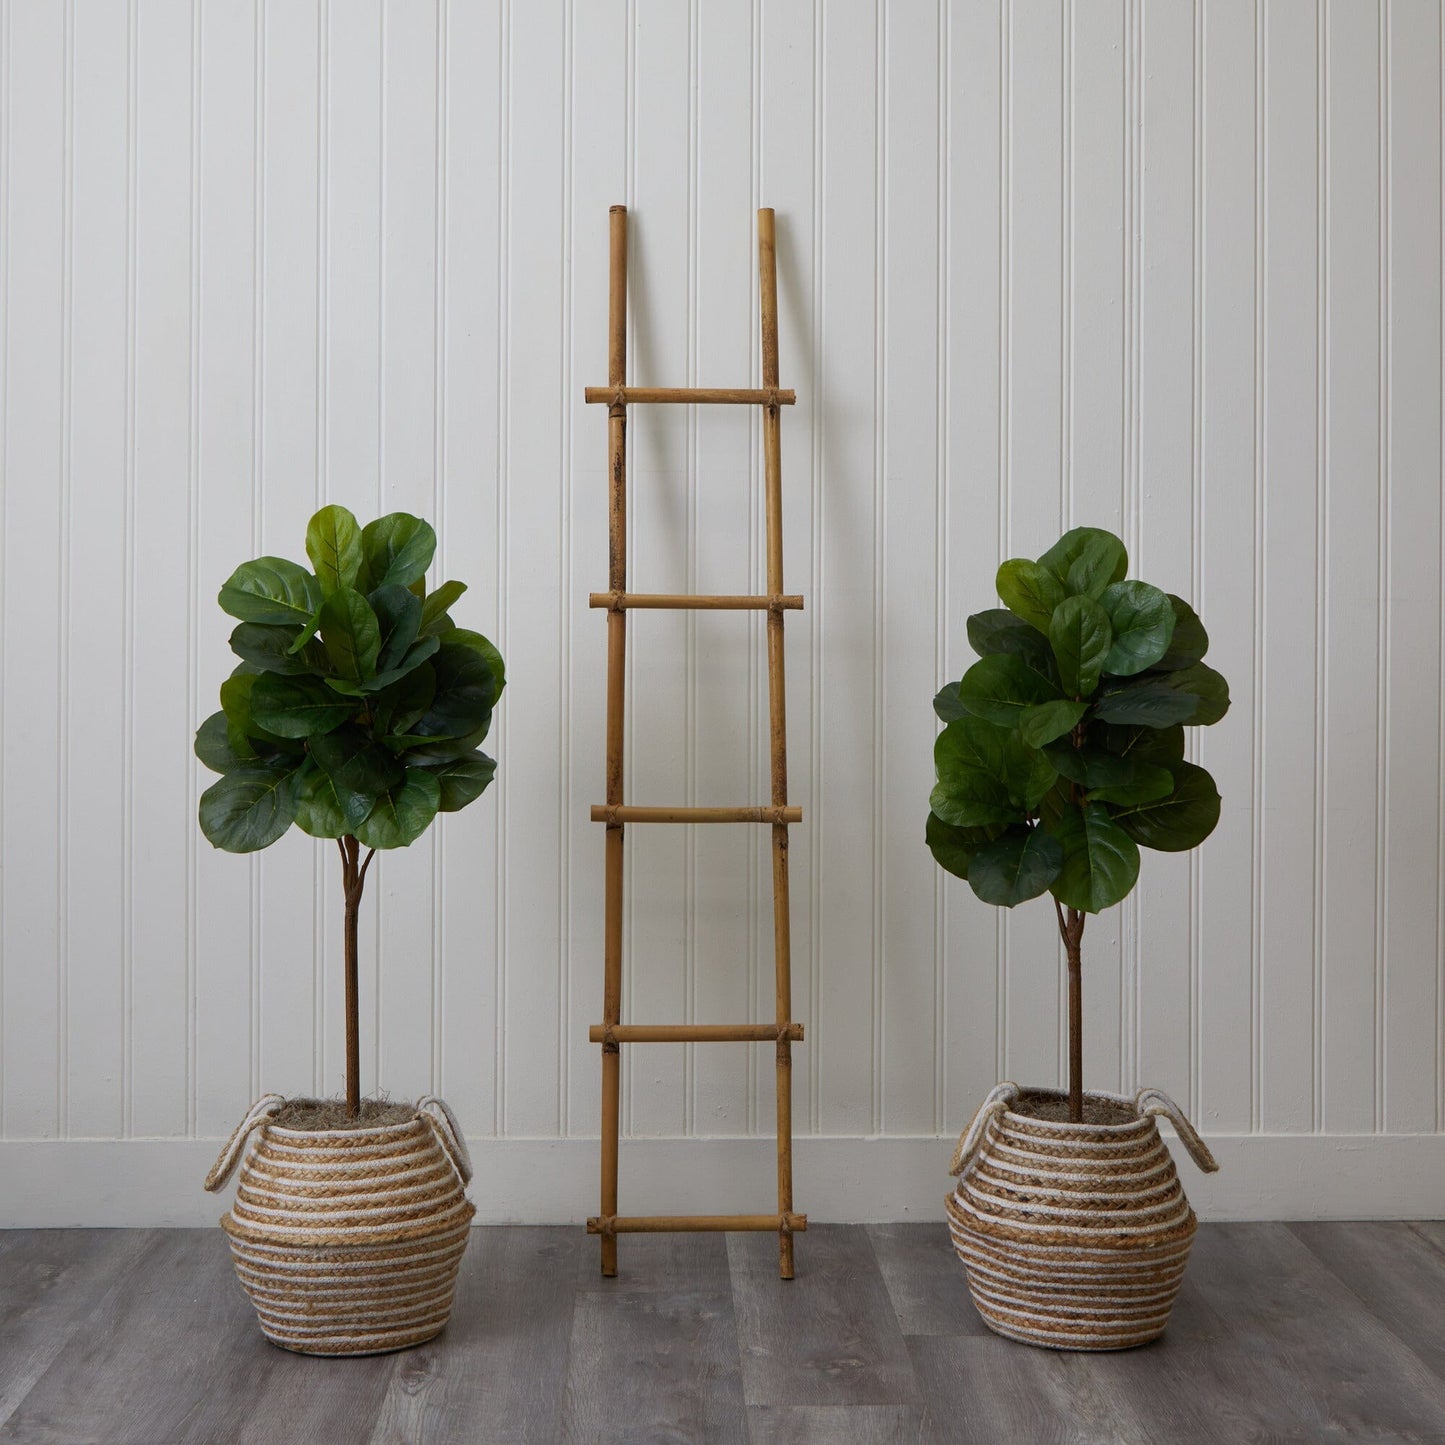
(1063, 746)
(357, 710)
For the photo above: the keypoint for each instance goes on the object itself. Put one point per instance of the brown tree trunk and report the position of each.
(353, 880)
(1071, 930)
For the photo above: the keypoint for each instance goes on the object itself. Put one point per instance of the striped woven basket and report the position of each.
(1073, 1236)
(348, 1240)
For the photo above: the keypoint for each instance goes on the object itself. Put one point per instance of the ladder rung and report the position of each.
(692, 1033)
(625, 601)
(694, 395)
(694, 1223)
(623, 813)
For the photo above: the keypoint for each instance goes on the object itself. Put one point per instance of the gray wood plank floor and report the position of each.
(1309, 1332)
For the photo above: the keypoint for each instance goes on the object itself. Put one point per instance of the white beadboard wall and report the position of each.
(1170, 268)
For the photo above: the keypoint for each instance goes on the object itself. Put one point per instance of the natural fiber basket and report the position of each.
(348, 1239)
(1074, 1236)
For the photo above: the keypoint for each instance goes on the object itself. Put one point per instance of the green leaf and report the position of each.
(1164, 746)
(463, 780)
(998, 630)
(250, 807)
(1190, 641)
(998, 688)
(462, 637)
(1111, 779)
(244, 732)
(1081, 637)
(434, 610)
(215, 748)
(269, 647)
(398, 616)
(1151, 701)
(398, 549)
(333, 543)
(356, 764)
(403, 703)
(953, 848)
(462, 702)
(1209, 690)
(1182, 820)
(423, 752)
(1027, 773)
(420, 651)
(319, 809)
(970, 757)
(402, 813)
(947, 704)
(271, 590)
(1018, 866)
(298, 707)
(1101, 860)
(350, 632)
(1086, 560)
(1046, 721)
(1029, 591)
(1143, 622)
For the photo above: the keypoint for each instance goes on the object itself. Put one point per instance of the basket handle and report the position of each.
(448, 1132)
(257, 1114)
(1154, 1102)
(998, 1100)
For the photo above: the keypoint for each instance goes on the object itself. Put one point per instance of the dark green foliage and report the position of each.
(358, 707)
(1063, 750)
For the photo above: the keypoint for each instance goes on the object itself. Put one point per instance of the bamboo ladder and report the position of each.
(612, 1033)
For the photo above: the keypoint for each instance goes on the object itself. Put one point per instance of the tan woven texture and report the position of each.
(1073, 1236)
(348, 1240)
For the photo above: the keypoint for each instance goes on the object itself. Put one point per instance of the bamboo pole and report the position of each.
(777, 728)
(616, 659)
(689, 395)
(693, 602)
(617, 813)
(613, 1224)
(688, 1033)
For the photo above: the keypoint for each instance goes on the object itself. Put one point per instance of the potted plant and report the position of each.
(1062, 753)
(356, 712)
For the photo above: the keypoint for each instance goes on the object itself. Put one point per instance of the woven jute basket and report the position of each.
(1073, 1236)
(348, 1239)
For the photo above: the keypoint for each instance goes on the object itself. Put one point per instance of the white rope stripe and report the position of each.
(348, 1241)
(1074, 1236)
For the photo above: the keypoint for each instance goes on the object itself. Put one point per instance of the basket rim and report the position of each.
(1064, 1128)
(362, 1131)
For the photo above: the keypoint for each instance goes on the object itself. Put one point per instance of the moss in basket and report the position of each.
(1063, 746)
(357, 711)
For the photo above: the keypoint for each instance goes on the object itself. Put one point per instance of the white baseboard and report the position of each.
(157, 1182)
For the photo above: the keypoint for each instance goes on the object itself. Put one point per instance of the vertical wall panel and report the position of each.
(471, 300)
(722, 647)
(846, 377)
(227, 256)
(1171, 268)
(1287, 601)
(404, 878)
(1412, 963)
(909, 571)
(600, 169)
(974, 331)
(36, 376)
(1227, 413)
(1350, 565)
(1160, 530)
(529, 742)
(95, 569)
(161, 824)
